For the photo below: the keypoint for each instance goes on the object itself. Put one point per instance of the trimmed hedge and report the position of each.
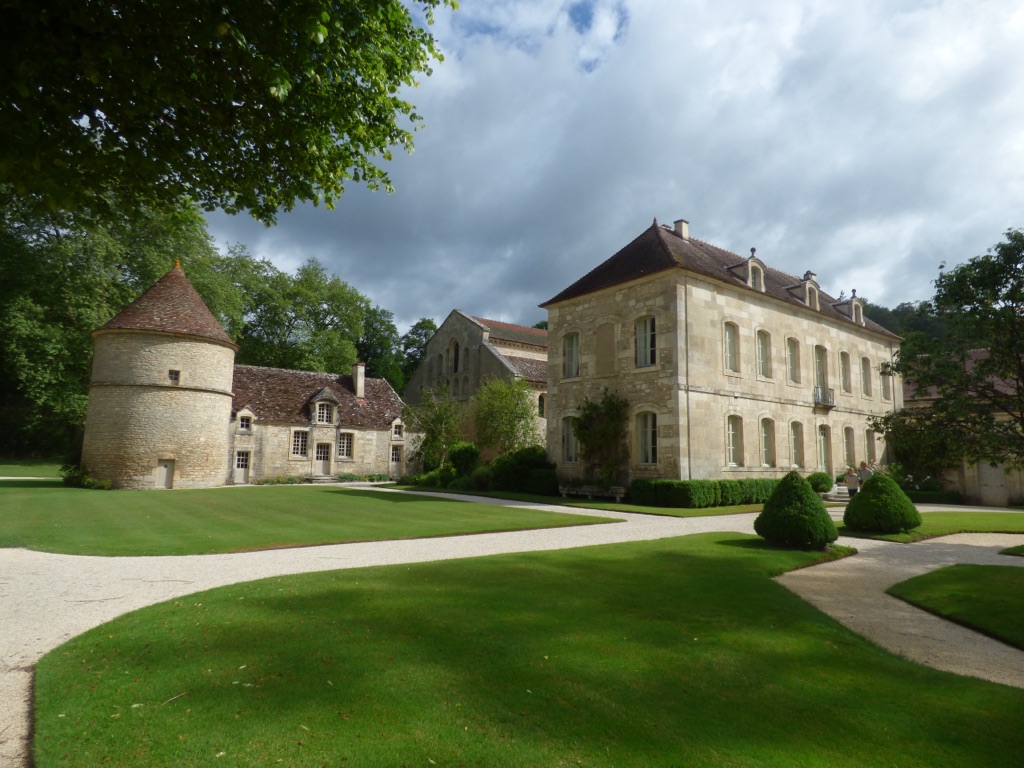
(698, 494)
(881, 507)
(511, 471)
(935, 497)
(795, 516)
(821, 482)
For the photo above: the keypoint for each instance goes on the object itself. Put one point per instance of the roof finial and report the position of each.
(752, 252)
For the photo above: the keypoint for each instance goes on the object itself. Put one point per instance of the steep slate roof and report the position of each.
(529, 369)
(171, 305)
(519, 334)
(279, 396)
(658, 249)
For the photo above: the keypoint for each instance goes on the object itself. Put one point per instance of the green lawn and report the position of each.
(988, 598)
(944, 523)
(680, 652)
(30, 468)
(50, 517)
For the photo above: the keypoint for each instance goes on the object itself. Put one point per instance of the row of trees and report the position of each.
(61, 278)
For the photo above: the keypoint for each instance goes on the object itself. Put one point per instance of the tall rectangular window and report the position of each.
(793, 360)
(845, 374)
(767, 443)
(734, 441)
(345, 445)
(849, 448)
(796, 444)
(569, 455)
(646, 345)
(647, 437)
(820, 366)
(300, 443)
(886, 387)
(571, 356)
(865, 377)
(732, 347)
(324, 413)
(764, 354)
(869, 445)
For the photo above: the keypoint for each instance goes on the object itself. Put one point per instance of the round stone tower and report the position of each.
(160, 395)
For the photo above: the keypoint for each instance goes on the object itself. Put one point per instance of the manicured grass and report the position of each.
(30, 468)
(680, 652)
(50, 517)
(944, 523)
(602, 504)
(988, 598)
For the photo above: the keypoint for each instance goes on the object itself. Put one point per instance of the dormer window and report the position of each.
(756, 278)
(324, 413)
(858, 314)
(245, 423)
(812, 297)
(397, 432)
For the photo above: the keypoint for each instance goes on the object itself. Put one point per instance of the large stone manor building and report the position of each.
(168, 408)
(732, 368)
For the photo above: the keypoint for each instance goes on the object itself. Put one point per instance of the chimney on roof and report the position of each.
(808, 275)
(683, 228)
(359, 379)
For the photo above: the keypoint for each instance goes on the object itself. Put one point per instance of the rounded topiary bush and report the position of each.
(881, 507)
(794, 516)
(821, 482)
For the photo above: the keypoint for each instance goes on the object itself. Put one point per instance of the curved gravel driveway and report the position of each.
(46, 599)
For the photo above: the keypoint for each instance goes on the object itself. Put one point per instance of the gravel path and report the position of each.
(46, 599)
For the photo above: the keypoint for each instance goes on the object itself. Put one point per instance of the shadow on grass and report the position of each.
(32, 483)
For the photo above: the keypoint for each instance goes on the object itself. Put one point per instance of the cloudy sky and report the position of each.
(867, 141)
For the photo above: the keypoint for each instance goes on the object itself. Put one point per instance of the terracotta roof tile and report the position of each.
(280, 396)
(171, 305)
(657, 249)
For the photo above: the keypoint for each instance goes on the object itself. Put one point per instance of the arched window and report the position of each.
(869, 446)
(540, 404)
(767, 443)
(455, 357)
(569, 453)
(821, 367)
(732, 348)
(756, 278)
(793, 360)
(796, 444)
(865, 377)
(764, 354)
(647, 438)
(646, 346)
(858, 314)
(571, 355)
(734, 441)
(825, 449)
(812, 297)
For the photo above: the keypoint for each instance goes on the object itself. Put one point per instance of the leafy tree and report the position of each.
(414, 345)
(506, 416)
(309, 321)
(974, 376)
(240, 106)
(600, 430)
(907, 318)
(795, 516)
(438, 421)
(378, 347)
(542, 325)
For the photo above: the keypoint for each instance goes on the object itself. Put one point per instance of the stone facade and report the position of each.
(467, 351)
(732, 369)
(168, 408)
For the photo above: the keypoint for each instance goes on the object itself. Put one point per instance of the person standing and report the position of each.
(864, 472)
(852, 482)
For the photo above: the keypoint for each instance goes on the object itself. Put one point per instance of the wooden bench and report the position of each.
(616, 492)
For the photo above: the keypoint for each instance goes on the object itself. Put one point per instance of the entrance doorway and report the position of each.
(323, 459)
(165, 473)
(242, 461)
(396, 462)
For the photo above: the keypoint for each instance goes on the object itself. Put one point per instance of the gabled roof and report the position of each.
(280, 396)
(658, 249)
(520, 334)
(171, 305)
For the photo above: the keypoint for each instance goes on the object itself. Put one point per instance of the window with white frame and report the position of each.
(869, 446)
(324, 413)
(845, 373)
(734, 441)
(397, 431)
(796, 445)
(647, 438)
(767, 443)
(300, 443)
(571, 355)
(732, 347)
(764, 354)
(245, 423)
(849, 448)
(793, 360)
(865, 377)
(396, 454)
(820, 366)
(756, 278)
(344, 445)
(569, 453)
(646, 345)
(886, 387)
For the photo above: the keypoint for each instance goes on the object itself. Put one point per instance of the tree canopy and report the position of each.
(378, 347)
(236, 105)
(506, 415)
(973, 377)
(437, 424)
(414, 345)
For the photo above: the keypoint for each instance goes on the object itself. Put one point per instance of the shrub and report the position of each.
(481, 479)
(935, 497)
(543, 482)
(794, 516)
(511, 472)
(821, 482)
(881, 507)
(465, 457)
(76, 476)
(680, 494)
(731, 492)
(441, 477)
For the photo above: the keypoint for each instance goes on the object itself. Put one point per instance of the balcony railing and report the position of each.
(824, 397)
